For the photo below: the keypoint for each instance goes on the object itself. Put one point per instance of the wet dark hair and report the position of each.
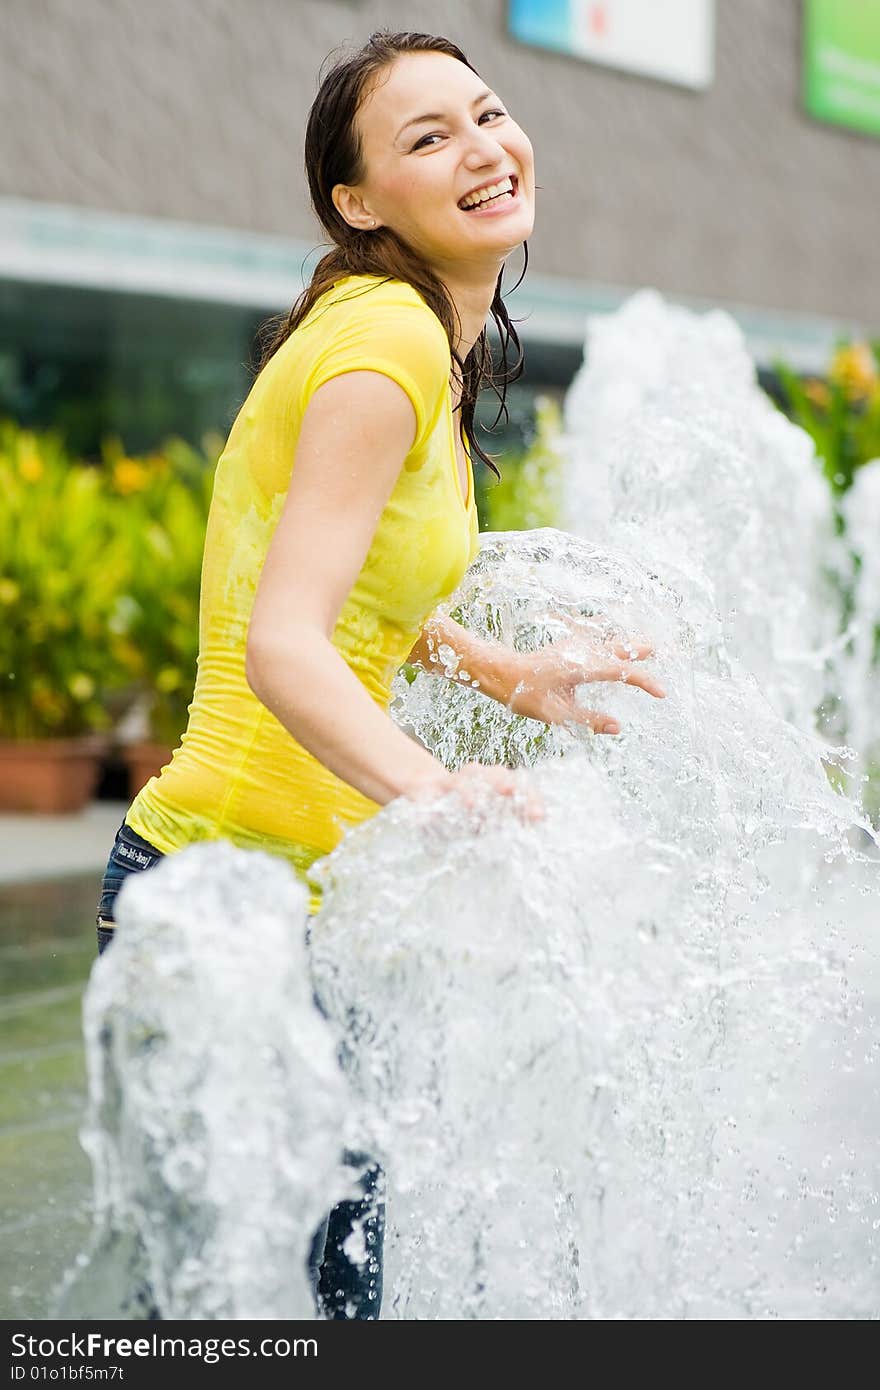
(333, 155)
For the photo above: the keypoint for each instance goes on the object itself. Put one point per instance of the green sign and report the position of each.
(842, 62)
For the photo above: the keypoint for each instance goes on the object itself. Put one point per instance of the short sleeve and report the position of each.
(388, 333)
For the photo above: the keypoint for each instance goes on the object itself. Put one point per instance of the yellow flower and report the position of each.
(9, 592)
(854, 370)
(130, 476)
(81, 686)
(168, 679)
(30, 465)
(817, 391)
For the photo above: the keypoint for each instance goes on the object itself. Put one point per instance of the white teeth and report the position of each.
(474, 199)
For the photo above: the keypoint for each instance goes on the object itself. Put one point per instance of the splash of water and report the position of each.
(675, 454)
(562, 1025)
(856, 665)
(216, 1105)
(622, 1061)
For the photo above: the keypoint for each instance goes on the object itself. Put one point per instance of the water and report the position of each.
(621, 1062)
(856, 661)
(594, 1027)
(216, 1105)
(675, 454)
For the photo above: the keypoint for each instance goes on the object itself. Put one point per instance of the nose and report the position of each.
(485, 147)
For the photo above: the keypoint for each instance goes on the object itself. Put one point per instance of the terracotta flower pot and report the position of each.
(50, 776)
(144, 760)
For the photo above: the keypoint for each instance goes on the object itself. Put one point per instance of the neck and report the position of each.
(472, 290)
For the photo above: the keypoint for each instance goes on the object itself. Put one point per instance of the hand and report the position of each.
(543, 683)
(472, 781)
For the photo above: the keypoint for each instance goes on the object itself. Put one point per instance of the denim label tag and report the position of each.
(135, 855)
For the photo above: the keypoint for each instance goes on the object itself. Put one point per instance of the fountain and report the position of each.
(216, 1104)
(856, 661)
(620, 1062)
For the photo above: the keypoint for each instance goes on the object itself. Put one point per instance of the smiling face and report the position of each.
(417, 171)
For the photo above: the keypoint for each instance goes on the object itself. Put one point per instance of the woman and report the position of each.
(343, 509)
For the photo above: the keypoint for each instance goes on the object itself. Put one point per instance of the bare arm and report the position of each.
(543, 684)
(355, 435)
(490, 664)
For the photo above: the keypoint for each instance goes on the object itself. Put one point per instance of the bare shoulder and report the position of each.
(353, 440)
(359, 415)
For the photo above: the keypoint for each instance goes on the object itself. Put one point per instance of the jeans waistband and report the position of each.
(130, 853)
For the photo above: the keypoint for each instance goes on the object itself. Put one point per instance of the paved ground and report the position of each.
(50, 871)
(47, 948)
(35, 848)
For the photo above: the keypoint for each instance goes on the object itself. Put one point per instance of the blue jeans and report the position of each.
(341, 1289)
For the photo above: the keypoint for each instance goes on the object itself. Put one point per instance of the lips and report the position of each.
(499, 201)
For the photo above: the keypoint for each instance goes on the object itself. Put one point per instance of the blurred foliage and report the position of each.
(99, 583)
(841, 413)
(61, 566)
(161, 502)
(529, 493)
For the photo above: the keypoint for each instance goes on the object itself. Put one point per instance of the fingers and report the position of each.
(573, 713)
(600, 723)
(625, 650)
(634, 648)
(533, 808)
(470, 782)
(631, 675)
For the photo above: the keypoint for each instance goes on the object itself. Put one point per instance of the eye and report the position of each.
(419, 143)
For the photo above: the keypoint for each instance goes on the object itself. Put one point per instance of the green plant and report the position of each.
(842, 413)
(529, 493)
(61, 563)
(162, 504)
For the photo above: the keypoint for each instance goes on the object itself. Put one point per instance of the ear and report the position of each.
(350, 206)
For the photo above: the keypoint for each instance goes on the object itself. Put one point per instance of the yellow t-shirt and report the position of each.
(238, 774)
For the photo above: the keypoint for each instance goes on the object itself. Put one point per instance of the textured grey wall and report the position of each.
(196, 111)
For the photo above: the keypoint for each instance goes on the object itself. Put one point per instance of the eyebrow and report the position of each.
(438, 115)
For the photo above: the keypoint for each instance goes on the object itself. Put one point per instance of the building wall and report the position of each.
(197, 111)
